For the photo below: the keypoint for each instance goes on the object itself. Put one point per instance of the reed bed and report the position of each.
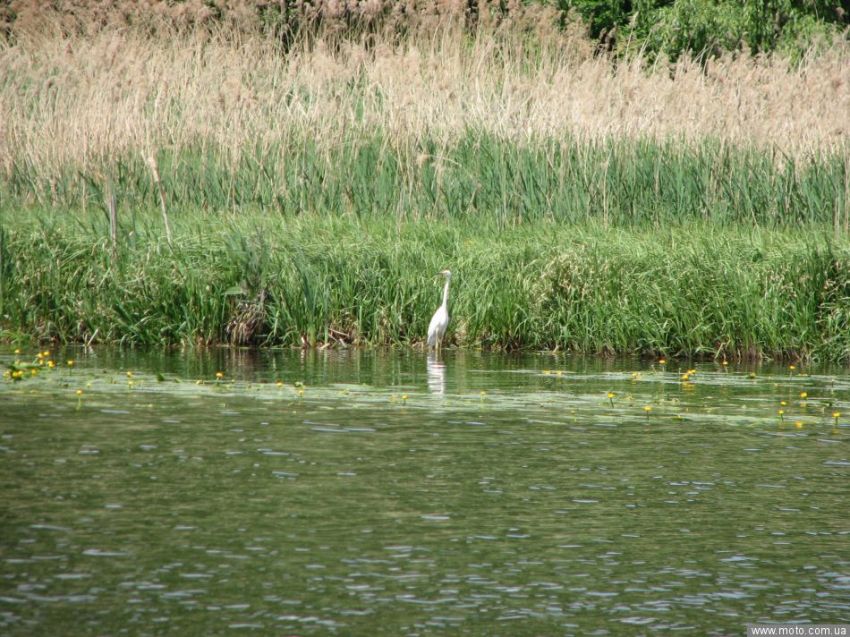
(446, 121)
(75, 100)
(477, 175)
(341, 281)
(212, 187)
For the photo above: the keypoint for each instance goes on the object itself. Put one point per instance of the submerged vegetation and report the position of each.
(213, 185)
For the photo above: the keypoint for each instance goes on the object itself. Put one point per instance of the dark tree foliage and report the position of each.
(709, 27)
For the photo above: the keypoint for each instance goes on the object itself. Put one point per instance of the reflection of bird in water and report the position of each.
(436, 375)
(440, 320)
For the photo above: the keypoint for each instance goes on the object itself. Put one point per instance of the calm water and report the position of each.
(395, 495)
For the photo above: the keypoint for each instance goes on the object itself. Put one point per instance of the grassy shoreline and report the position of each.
(313, 191)
(694, 290)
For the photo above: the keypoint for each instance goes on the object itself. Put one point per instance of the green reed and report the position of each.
(622, 182)
(277, 279)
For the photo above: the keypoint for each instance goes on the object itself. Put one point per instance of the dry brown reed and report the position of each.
(71, 99)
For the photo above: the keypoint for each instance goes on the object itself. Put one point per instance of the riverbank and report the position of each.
(265, 279)
(306, 194)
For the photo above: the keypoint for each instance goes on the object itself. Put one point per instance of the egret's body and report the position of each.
(440, 320)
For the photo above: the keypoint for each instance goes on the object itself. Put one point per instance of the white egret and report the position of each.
(440, 320)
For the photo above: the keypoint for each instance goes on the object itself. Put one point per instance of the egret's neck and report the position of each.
(446, 292)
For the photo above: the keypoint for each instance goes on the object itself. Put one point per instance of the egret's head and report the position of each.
(445, 273)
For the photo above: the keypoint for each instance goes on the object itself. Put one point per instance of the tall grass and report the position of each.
(478, 175)
(439, 124)
(312, 192)
(280, 280)
(71, 103)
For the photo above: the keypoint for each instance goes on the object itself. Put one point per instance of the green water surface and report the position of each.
(380, 493)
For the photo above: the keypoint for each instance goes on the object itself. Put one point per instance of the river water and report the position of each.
(386, 493)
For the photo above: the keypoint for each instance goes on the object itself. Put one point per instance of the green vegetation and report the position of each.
(479, 176)
(609, 247)
(285, 279)
(677, 27)
(212, 186)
